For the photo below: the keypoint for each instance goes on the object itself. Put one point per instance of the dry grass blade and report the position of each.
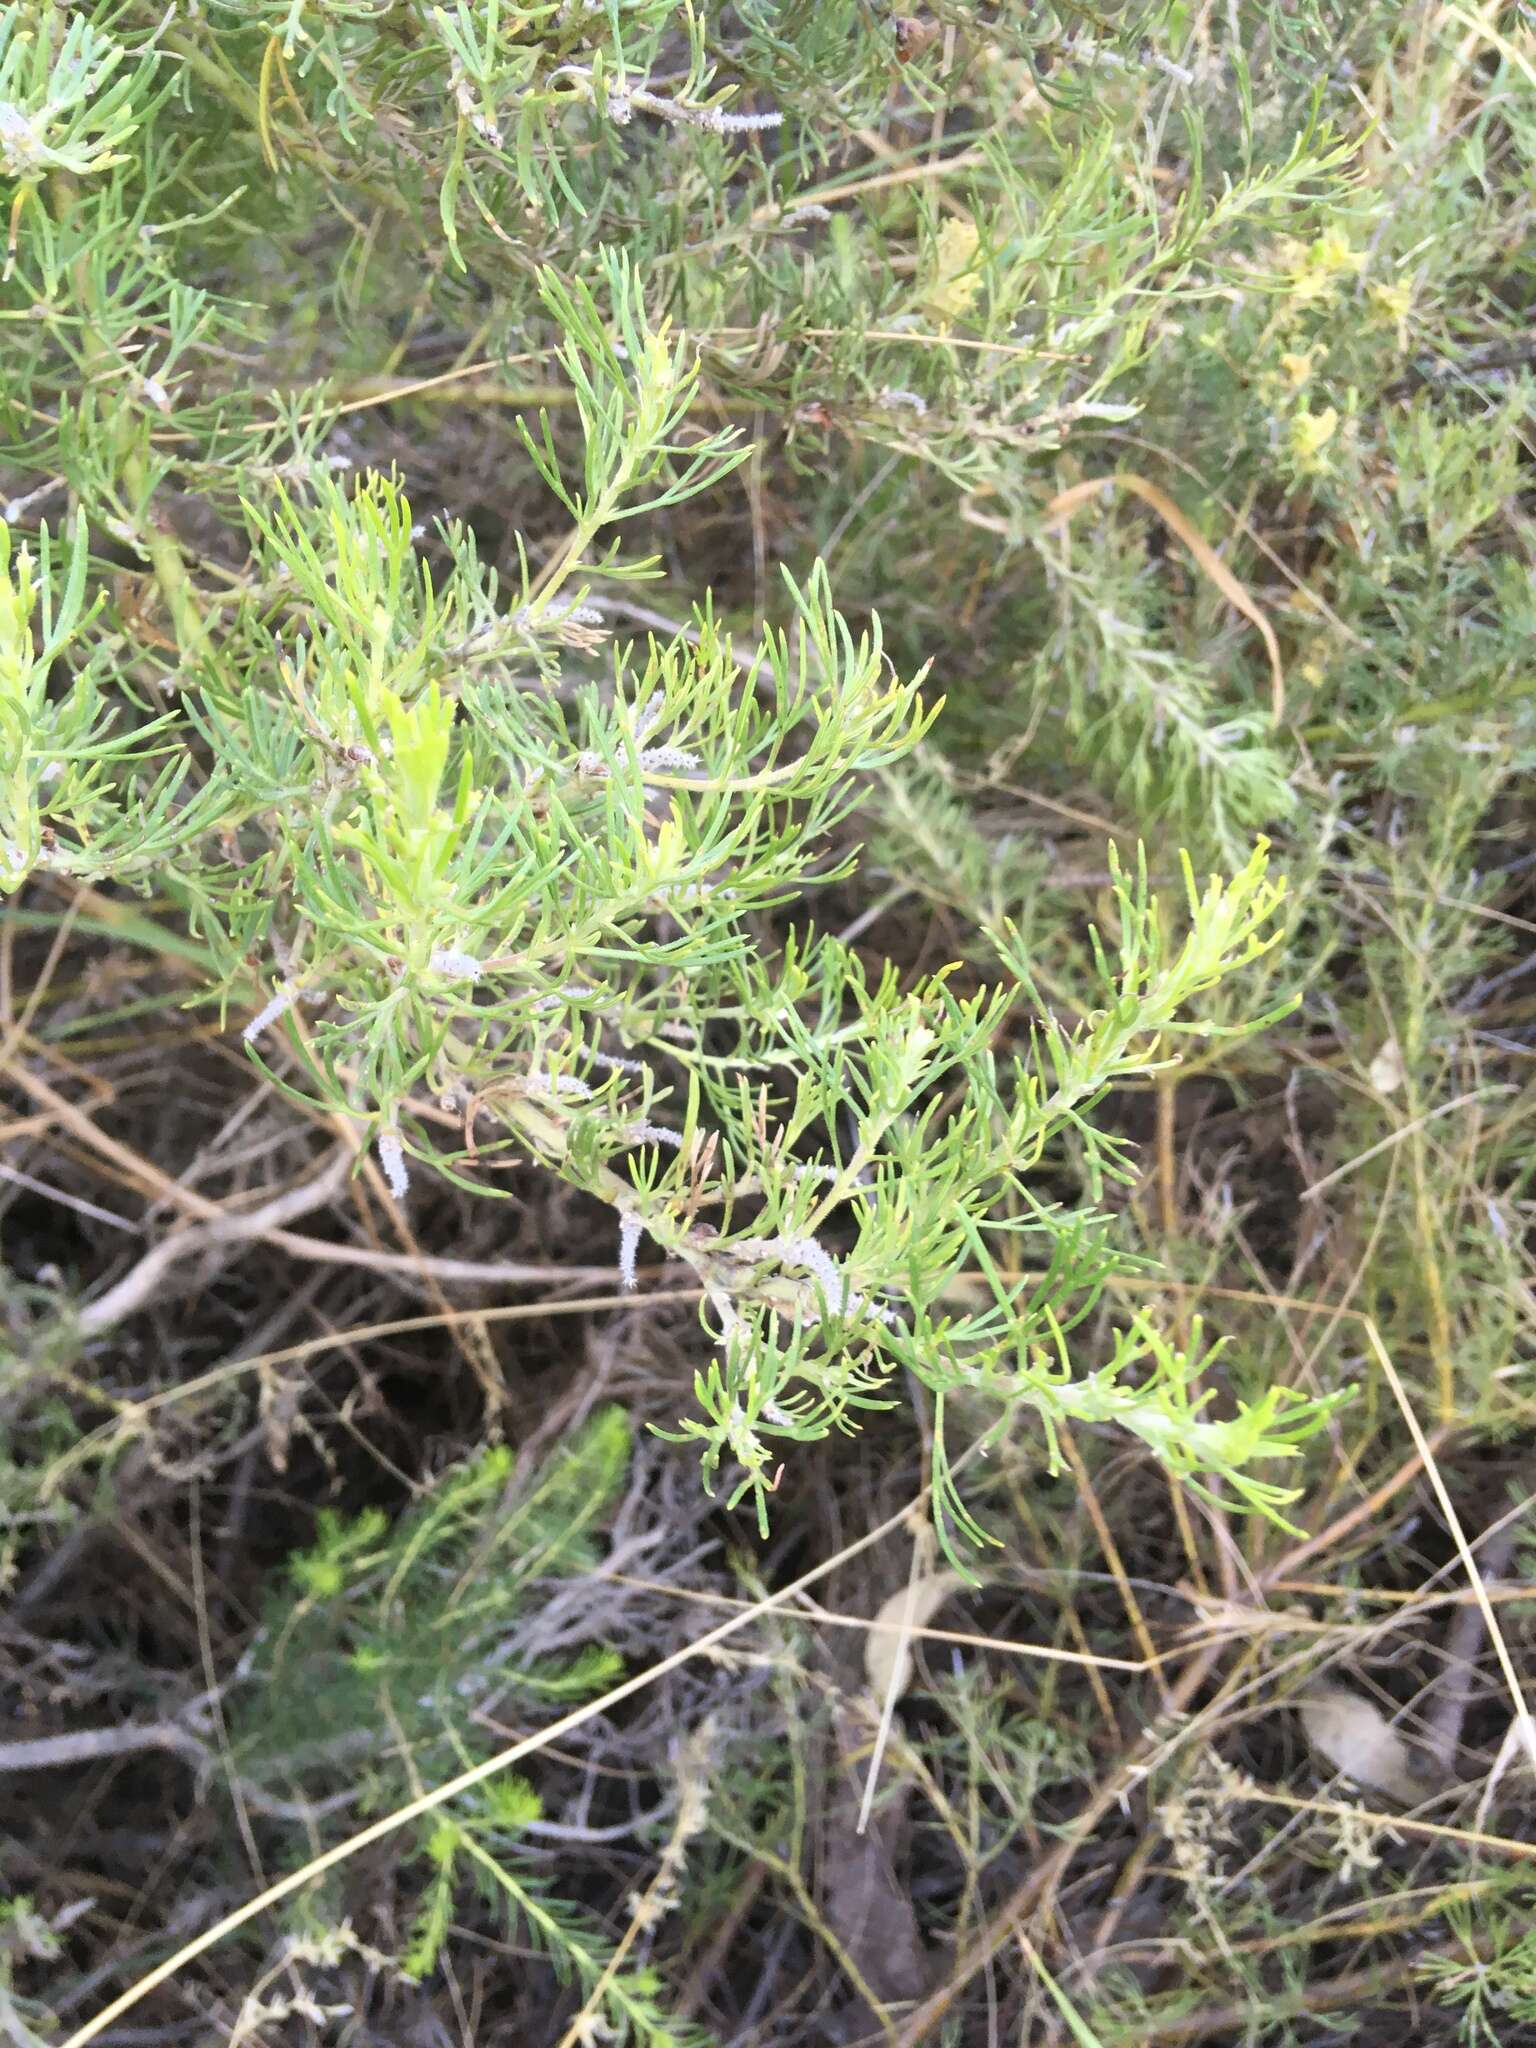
(1065, 503)
(888, 1662)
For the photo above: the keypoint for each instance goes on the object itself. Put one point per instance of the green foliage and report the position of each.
(411, 1622)
(68, 105)
(929, 1196)
(1492, 1988)
(483, 1847)
(62, 766)
(1149, 719)
(25, 1936)
(406, 1628)
(434, 436)
(470, 853)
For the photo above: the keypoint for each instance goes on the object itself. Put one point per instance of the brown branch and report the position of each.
(1446, 1713)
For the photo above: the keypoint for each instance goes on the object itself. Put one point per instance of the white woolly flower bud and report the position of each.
(556, 1087)
(23, 152)
(822, 1267)
(279, 1006)
(630, 1228)
(643, 1132)
(461, 966)
(392, 1159)
(572, 992)
(721, 123)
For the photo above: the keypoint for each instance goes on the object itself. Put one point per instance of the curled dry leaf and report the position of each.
(887, 1654)
(1354, 1736)
(1386, 1069)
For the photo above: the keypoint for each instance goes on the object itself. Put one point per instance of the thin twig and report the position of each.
(139, 1285)
(100, 1745)
(96, 1745)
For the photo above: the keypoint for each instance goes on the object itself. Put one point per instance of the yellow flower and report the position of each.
(951, 283)
(1297, 369)
(1315, 272)
(1394, 301)
(1310, 433)
(1331, 252)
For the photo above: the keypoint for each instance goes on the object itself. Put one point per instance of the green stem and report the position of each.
(129, 438)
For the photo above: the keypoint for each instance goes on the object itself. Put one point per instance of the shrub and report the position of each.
(492, 873)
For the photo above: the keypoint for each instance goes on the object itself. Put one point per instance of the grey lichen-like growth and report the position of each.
(621, 106)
